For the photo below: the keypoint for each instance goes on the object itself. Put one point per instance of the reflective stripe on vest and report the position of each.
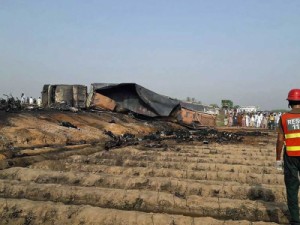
(293, 148)
(293, 135)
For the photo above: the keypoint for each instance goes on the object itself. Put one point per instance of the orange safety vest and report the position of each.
(291, 129)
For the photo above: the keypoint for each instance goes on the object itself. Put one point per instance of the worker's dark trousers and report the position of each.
(291, 179)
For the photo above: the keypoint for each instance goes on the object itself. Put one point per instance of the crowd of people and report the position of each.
(30, 101)
(266, 120)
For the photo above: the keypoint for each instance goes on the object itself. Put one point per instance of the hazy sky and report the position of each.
(244, 50)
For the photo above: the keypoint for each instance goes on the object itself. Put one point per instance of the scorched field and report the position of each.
(194, 182)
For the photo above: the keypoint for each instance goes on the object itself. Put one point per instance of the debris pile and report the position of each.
(155, 140)
(251, 133)
(126, 139)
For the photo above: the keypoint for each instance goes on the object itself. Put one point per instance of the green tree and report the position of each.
(227, 104)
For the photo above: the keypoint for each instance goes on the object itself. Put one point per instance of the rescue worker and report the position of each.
(288, 138)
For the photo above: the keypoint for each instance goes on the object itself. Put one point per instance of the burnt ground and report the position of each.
(107, 168)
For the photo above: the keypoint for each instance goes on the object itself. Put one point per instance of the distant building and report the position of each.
(248, 109)
(211, 110)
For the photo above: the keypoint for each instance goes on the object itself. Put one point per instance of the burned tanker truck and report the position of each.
(126, 98)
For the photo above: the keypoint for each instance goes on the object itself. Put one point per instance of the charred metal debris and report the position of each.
(67, 124)
(156, 140)
(10, 104)
(126, 139)
(128, 98)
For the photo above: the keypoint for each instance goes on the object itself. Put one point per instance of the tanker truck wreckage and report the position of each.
(127, 98)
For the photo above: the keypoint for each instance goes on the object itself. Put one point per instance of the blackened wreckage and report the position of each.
(129, 98)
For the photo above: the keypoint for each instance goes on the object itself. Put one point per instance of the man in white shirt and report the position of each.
(30, 101)
(39, 102)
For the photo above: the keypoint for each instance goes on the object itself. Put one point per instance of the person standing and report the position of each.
(259, 120)
(247, 120)
(230, 120)
(39, 102)
(235, 119)
(243, 120)
(265, 121)
(30, 101)
(239, 119)
(255, 119)
(288, 139)
(272, 121)
(23, 98)
(252, 121)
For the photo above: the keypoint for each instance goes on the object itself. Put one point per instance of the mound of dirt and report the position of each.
(50, 128)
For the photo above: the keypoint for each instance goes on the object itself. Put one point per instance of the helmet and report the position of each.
(294, 95)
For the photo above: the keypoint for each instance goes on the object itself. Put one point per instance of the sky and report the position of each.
(247, 51)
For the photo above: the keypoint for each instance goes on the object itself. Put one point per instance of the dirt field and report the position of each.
(52, 174)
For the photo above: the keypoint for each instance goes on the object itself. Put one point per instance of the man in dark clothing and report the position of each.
(288, 138)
